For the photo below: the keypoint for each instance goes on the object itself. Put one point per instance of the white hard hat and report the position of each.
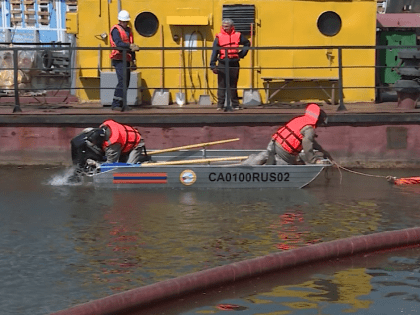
(123, 16)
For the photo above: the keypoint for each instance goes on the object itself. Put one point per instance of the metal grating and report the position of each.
(72, 5)
(43, 12)
(402, 6)
(243, 16)
(396, 138)
(15, 13)
(29, 13)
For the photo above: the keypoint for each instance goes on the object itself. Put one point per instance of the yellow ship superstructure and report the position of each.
(276, 25)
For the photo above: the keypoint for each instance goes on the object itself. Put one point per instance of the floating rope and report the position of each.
(358, 173)
(394, 180)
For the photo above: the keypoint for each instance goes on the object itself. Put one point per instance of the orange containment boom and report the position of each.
(405, 181)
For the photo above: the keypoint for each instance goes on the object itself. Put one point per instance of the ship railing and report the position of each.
(48, 60)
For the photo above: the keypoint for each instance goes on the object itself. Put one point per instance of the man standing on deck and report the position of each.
(110, 143)
(294, 143)
(228, 37)
(122, 37)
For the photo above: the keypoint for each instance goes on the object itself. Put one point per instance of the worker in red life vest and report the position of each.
(122, 36)
(111, 142)
(122, 143)
(294, 143)
(228, 37)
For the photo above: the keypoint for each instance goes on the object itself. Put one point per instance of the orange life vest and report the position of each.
(289, 136)
(229, 40)
(125, 135)
(116, 54)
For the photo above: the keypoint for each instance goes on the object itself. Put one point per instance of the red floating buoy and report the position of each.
(228, 307)
(405, 181)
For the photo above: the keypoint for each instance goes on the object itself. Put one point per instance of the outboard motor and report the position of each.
(87, 145)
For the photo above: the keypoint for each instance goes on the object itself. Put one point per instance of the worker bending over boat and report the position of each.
(294, 143)
(110, 143)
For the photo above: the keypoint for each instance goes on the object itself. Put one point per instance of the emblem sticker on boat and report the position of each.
(188, 177)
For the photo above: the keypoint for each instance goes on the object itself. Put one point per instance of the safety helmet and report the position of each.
(123, 16)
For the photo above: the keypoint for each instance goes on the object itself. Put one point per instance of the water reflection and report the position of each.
(381, 283)
(66, 244)
(344, 288)
(146, 236)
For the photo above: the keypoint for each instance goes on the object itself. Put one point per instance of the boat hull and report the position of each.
(227, 174)
(207, 176)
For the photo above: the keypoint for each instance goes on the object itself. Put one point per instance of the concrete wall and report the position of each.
(364, 146)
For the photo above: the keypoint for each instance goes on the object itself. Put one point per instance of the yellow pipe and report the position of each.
(197, 161)
(192, 146)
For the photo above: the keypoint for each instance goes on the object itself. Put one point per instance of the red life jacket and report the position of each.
(116, 54)
(289, 136)
(125, 135)
(229, 40)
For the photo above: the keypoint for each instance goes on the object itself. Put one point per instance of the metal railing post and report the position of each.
(15, 78)
(227, 78)
(341, 106)
(124, 106)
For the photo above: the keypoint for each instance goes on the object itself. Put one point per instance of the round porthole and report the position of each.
(329, 23)
(146, 24)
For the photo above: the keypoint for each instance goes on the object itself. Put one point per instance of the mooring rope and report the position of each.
(388, 178)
